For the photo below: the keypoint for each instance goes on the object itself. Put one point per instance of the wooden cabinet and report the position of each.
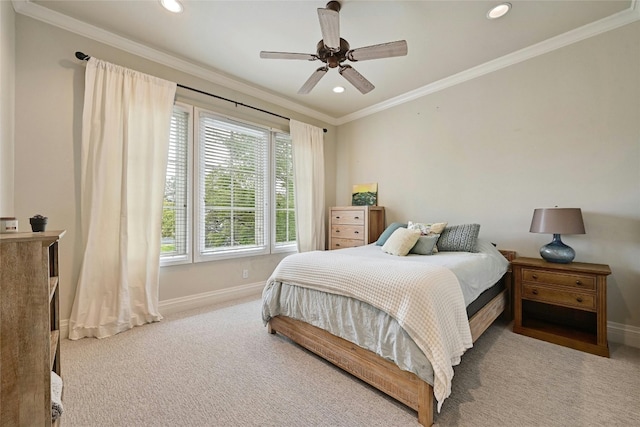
(355, 226)
(29, 326)
(564, 304)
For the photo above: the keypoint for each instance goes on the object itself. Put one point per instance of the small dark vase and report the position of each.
(38, 223)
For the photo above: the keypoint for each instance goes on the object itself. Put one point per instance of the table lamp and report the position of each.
(557, 221)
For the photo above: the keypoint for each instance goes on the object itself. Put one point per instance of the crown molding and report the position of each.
(27, 8)
(41, 13)
(603, 25)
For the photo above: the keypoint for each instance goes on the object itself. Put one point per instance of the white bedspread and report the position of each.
(426, 300)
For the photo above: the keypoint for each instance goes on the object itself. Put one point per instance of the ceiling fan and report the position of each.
(334, 50)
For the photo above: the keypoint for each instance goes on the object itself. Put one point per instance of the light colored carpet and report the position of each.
(219, 367)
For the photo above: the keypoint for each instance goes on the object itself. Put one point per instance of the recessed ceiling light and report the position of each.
(498, 11)
(172, 5)
(338, 89)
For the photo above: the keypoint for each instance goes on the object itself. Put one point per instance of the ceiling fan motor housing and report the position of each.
(333, 5)
(332, 59)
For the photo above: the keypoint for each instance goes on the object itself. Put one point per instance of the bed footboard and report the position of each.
(406, 387)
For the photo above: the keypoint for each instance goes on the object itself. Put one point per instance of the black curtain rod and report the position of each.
(81, 56)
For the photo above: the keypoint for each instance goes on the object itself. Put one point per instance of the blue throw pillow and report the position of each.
(425, 245)
(388, 232)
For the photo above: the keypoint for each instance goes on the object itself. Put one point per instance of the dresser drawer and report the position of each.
(352, 217)
(555, 278)
(345, 243)
(581, 300)
(348, 232)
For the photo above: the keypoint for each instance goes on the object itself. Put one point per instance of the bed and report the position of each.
(322, 301)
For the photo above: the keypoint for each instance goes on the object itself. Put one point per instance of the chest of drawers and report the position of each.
(562, 303)
(355, 225)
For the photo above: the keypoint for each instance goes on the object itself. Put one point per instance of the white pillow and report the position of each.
(401, 241)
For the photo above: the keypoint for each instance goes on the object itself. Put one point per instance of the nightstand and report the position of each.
(564, 304)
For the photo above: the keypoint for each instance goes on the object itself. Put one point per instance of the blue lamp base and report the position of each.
(557, 252)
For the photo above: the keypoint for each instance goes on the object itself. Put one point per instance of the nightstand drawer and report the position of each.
(353, 217)
(581, 300)
(554, 278)
(345, 243)
(348, 232)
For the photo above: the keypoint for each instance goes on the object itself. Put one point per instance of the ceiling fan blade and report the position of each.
(330, 27)
(313, 80)
(287, 55)
(356, 79)
(384, 50)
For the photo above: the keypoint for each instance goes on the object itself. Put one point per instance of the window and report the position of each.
(285, 218)
(176, 210)
(242, 198)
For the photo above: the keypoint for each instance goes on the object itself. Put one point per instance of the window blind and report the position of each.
(175, 214)
(285, 221)
(232, 183)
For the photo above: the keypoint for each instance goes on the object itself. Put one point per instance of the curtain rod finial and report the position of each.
(81, 56)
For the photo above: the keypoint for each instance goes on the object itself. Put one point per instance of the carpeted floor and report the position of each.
(219, 367)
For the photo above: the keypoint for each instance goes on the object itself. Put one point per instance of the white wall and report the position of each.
(49, 103)
(560, 129)
(7, 98)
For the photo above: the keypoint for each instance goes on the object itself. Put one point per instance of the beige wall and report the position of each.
(49, 102)
(7, 93)
(560, 129)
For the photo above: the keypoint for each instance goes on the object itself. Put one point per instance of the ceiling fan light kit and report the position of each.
(499, 11)
(172, 5)
(334, 50)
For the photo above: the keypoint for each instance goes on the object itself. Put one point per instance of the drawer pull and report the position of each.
(535, 276)
(356, 232)
(337, 244)
(337, 231)
(337, 217)
(578, 282)
(535, 292)
(356, 217)
(579, 299)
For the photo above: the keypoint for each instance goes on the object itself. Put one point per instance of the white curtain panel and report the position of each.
(125, 140)
(308, 173)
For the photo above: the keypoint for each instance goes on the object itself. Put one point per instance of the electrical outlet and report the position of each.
(245, 274)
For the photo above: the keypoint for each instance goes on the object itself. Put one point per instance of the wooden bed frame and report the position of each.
(406, 387)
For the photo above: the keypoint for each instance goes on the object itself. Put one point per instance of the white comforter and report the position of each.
(426, 300)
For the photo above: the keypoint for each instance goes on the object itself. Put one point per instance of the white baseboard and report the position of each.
(204, 299)
(616, 332)
(176, 305)
(623, 334)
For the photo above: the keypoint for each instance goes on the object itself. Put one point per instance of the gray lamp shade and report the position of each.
(557, 221)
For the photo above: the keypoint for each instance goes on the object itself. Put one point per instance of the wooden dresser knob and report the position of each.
(535, 292)
(535, 276)
(578, 282)
(579, 299)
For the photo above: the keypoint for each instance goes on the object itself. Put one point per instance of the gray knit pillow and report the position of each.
(459, 238)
